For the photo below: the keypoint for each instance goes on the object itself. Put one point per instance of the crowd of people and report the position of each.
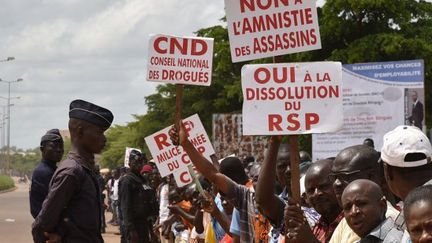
(360, 195)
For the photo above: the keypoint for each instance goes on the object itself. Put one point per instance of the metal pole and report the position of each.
(8, 133)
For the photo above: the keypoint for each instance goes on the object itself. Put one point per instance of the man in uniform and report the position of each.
(137, 201)
(71, 211)
(51, 146)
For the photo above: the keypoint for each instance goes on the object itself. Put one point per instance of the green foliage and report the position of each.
(25, 161)
(352, 31)
(6, 182)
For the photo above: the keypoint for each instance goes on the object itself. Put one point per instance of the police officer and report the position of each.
(71, 211)
(137, 201)
(51, 146)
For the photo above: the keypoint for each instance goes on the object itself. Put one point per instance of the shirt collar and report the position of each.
(49, 163)
(83, 158)
(382, 230)
(335, 222)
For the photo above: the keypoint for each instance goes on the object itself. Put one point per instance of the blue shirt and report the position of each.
(39, 185)
(217, 228)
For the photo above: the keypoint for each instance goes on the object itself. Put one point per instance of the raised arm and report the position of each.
(268, 202)
(204, 166)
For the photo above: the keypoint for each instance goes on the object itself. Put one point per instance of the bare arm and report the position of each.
(223, 220)
(266, 199)
(180, 212)
(204, 166)
(198, 222)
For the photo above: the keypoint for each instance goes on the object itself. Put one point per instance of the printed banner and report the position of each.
(292, 98)
(180, 60)
(377, 97)
(169, 158)
(265, 28)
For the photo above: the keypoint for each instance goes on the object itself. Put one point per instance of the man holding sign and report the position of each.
(240, 196)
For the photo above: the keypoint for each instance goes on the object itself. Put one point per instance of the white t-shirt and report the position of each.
(114, 190)
(163, 204)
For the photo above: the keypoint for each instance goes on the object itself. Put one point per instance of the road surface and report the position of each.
(16, 220)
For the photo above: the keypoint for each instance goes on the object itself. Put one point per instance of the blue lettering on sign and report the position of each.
(411, 71)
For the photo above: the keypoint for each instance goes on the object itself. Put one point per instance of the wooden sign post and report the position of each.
(294, 158)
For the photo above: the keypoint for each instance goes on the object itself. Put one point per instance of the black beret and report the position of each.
(51, 135)
(92, 113)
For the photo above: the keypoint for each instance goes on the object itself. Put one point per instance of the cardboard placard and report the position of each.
(127, 153)
(292, 98)
(180, 60)
(169, 158)
(265, 28)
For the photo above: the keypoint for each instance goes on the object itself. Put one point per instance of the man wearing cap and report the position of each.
(406, 154)
(137, 201)
(71, 210)
(51, 146)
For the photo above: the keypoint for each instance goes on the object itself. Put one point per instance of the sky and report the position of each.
(79, 49)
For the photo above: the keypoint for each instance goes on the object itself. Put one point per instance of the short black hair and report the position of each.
(232, 167)
(418, 194)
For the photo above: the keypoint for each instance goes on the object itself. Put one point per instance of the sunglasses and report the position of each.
(345, 176)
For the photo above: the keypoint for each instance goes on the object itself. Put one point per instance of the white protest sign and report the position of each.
(292, 98)
(180, 60)
(265, 28)
(127, 153)
(169, 158)
(182, 177)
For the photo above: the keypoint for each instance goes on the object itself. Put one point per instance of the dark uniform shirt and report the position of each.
(39, 186)
(138, 205)
(72, 207)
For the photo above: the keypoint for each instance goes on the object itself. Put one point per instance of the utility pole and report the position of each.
(3, 120)
(9, 116)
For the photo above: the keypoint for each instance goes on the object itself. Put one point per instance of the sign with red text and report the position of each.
(183, 177)
(127, 153)
(292, 98)
(180, 60)
(169, 158)
(265, 28)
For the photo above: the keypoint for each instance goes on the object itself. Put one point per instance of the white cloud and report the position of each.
(94, 50)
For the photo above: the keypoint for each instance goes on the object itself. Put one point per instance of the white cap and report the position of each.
(404, 140)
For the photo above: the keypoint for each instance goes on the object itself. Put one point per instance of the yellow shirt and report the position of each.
(343, 233)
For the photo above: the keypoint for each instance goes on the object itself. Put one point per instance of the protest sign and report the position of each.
(180, 60)
(182, 177)
(292, 98)
(377, 97)
(265, 28)
(127, 153)
(170, 158)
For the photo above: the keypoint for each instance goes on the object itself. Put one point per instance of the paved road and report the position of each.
(16, 220)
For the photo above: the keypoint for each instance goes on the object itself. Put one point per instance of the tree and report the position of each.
(352, 31)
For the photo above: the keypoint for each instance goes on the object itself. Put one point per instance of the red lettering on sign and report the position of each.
(195, 43)
(261, 4)
(274, 122)
(292, 118)
(194, 47)
(185, 177)
(156, 44)
(310, 119)
(161, 141)
(185, 159)
(263, 75)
